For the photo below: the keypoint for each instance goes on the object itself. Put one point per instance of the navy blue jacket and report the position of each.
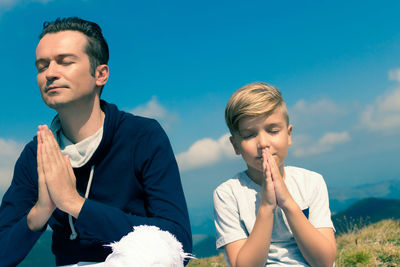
(136, 181)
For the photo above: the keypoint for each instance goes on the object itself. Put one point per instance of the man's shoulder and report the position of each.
(31, 146)
(135, 124)
(132, 119)
(127, 119)
(28, 153)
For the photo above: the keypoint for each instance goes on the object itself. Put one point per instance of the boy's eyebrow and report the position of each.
(269, 125)
(251, 128)
(274, 124)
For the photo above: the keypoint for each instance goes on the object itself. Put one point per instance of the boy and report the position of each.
(270, 214)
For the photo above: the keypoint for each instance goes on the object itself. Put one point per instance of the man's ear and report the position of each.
(101, 75)
(235, 146)
(290, 129)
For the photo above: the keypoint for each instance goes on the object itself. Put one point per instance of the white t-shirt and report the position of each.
(236, 204)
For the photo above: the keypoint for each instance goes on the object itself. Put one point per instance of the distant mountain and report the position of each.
(364, 212)
(41, 254)
(342, 198)
(204, 247)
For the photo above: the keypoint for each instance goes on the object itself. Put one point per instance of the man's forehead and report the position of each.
(64, 42)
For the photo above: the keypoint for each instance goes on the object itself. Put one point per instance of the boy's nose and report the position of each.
(263, 141)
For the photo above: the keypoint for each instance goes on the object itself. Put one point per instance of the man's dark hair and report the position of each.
(96, 49)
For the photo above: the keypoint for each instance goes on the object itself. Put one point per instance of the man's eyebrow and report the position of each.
(40, 60)
(58, 57)
(66, 55)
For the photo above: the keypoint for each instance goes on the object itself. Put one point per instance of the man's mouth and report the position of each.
(53, 87)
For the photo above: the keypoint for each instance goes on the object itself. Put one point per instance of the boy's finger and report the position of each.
(274, 168)
(264, 162)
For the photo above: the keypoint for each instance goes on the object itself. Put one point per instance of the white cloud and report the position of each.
(324, 105)
(205, 152)
(303, 145)
(9, 152)
(153, 109)
(6, 5)
(384, 114)
(304, 115)
(394, 75)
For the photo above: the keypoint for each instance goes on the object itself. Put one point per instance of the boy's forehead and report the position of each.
(275, 117)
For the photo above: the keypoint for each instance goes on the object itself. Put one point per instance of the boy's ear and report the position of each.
(290, 129)
(101, 75)
(235, 146)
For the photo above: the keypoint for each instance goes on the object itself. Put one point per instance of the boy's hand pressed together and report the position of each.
(268, 188)
(282, 194)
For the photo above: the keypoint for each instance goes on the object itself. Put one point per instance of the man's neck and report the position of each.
(81, 121)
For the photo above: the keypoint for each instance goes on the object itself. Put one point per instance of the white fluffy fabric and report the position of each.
(147, 246)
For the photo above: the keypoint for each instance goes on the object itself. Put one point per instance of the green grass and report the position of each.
(216, 261)
(374, 245)
(377, 244)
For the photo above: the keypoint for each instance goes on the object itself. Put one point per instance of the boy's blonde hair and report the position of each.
(253, 100)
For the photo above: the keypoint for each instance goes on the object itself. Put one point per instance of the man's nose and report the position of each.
(52, 71)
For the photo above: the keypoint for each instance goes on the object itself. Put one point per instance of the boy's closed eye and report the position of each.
(273, 130)
(247, 134)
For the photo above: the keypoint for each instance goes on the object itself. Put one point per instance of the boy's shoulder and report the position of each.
(301, 172)
(303, 177)
(237, 185)
(231, 182)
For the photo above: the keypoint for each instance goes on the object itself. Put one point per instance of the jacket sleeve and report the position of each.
(165, 202)
(15, 236)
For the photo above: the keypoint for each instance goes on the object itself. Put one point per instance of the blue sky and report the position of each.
(337, 65)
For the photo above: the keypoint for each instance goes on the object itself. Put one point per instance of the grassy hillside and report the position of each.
(365, 212)
(374, 245)
(215, 261)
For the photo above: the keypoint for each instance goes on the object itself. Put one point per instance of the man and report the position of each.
(101, 173)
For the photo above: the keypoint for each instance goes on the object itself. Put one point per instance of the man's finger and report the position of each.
(40, 163)
(39, 136)
(52, 151)
(69, 168)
